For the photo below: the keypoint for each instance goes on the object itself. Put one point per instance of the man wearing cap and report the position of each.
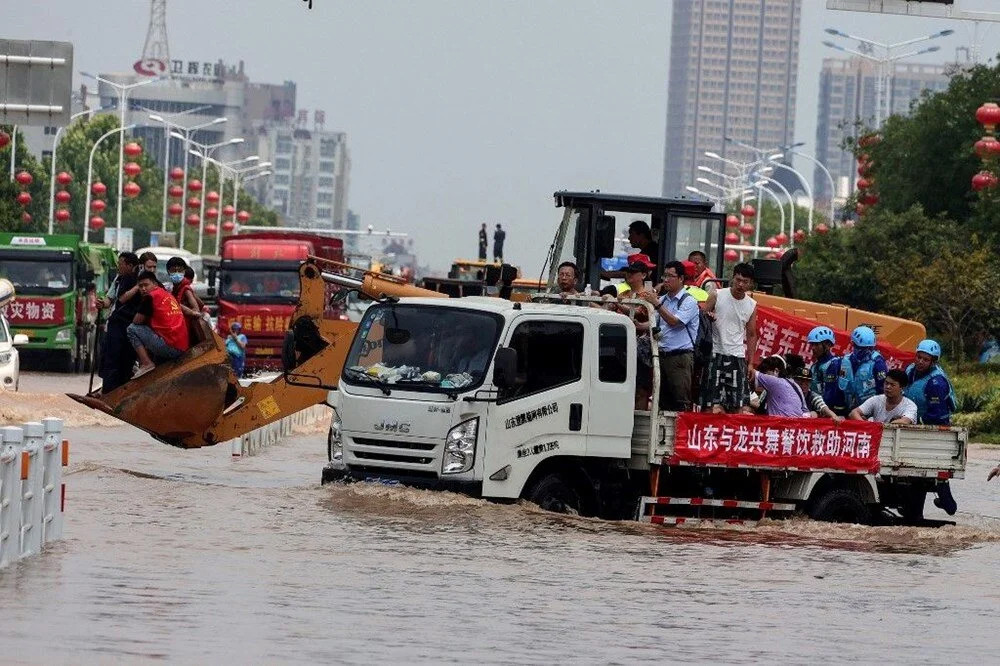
(635, 287)
(677, 316)
(824, 379)
(929, 386)
(635, 276)
(861, 374)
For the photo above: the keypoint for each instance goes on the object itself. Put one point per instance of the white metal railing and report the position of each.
(31, 489)
(254, 441)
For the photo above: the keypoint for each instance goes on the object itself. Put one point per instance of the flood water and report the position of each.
(193, 556)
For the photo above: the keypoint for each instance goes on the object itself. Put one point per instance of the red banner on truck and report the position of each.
(782, 333)
(25, 310)
(770, 441)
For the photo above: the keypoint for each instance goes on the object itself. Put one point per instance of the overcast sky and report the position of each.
(460, 112)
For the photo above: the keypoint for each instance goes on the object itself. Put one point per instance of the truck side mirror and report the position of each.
(20, 339)
(505, 368)
(604, 237)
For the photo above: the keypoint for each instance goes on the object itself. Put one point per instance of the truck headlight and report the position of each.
(64, 335)
(460, 447)
(335, 440)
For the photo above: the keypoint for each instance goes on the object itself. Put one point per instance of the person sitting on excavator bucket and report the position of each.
(159, 331)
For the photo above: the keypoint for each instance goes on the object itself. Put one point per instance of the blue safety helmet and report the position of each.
(821, 334)
(863, 337)
(931, 347)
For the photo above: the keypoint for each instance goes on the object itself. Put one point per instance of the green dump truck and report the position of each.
(58, 279)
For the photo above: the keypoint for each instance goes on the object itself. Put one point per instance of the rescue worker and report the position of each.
(824, 380)
(702, 273)
(860, 374)
(929, 386)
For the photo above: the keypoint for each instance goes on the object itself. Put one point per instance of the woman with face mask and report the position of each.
(182, 290)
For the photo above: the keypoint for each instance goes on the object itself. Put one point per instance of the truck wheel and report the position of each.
(839, 505)
(68, 361)
(554, 493)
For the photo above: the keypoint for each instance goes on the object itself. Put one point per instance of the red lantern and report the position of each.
(132, 169)
(23, 178)
(746, 229)
(175, 192)
(748, 211)
(64, 178)
(26, 217)
(982, 180)
(821, 228)
(23, 198)
(772, 242)
(175, 210)
(243, 216)
(986, 146)
(4, 139)
(228, 211)
(869, 199)
(732, 238)
(212, 197)
(228, 226)
(62, 215)
(131, 190)
(864, 168)
(211, 229)
(799, 236)
(132, 149)
(864, 157)
(193, 220)
(864, 184)
(98, 205)
(732, 221)
(212, 213)
(97, 223)
(177, 173)
(988, 116)
(782, 238)
(731, 255)
(63, 196)
(194, 185)
(98, 189)
(194, 202)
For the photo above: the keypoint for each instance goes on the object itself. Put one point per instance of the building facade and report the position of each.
(733, 71)
(311, 171)
(848, 91)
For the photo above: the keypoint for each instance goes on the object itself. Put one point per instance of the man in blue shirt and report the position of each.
(860, 374)
(677, 317)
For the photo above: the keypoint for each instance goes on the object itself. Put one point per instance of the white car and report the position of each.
(9, 360)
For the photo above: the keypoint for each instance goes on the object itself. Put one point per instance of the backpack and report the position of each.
(702, 343)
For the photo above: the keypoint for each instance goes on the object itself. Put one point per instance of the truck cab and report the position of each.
(426, 397)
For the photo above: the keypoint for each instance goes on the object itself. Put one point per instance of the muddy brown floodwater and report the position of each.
(192, 556)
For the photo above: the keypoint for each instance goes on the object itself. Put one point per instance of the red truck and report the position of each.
(259, 287)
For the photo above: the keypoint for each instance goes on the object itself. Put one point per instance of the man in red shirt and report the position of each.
(159, 330)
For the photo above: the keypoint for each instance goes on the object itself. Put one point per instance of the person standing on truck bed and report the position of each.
(634, 287)
(117, 354)
(677, 316)
(825, 365)
(734, 339)
(498, 237)
(860, 374)
(702, 273)
(891, 406)
(158, 331)
(483, 242)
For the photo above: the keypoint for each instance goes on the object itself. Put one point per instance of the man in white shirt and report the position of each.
(890, 407)
(734, 340)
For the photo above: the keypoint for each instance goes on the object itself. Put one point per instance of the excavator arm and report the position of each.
(197, 400)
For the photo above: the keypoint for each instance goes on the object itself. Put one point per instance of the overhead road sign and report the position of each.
(36, 82)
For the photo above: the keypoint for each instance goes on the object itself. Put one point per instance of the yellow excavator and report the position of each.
(197, 400)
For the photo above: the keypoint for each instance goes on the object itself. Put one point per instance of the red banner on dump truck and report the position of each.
(782, 333)
(772, 441)
(34, 311)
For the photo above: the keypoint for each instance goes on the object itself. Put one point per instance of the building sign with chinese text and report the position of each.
(777, 442)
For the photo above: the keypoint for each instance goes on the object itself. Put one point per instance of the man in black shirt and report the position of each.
(483, 241)
(498, 237)
(123, 298)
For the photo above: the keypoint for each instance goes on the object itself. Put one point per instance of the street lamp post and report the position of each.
(205, 155)
(52, 179)
(186, 138)
(833, 186)
(123, 90)
(90, 174)
(884, 59)
(166, 152)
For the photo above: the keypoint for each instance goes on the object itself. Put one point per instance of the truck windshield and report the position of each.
(33, 276)
(260, 286)
(423, 347)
